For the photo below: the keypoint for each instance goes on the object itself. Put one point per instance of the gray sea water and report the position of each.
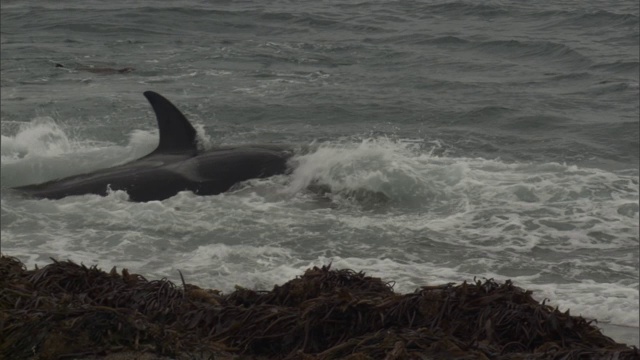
(458, 139)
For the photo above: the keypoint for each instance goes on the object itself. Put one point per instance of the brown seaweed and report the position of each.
(66, 310)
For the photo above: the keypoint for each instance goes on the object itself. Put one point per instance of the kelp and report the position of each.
(66, 310)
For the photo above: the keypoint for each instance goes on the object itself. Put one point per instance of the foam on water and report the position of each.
(42, 136)
(390, 208)
(370, 163)
(43, 150)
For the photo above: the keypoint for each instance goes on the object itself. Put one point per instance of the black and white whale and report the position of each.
(175, 165)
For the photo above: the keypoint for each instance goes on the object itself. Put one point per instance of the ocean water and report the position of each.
(449, 140)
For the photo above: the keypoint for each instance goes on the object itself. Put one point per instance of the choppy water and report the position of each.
(459, 139)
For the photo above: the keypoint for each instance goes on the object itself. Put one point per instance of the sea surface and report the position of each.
(450, 140)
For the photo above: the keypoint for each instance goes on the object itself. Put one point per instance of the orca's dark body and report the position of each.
(175, 165)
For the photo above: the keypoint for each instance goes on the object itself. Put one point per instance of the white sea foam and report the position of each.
(42, 150)
(560, 230)
(40, 137)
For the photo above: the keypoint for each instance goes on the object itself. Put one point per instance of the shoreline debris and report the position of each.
(66, 310)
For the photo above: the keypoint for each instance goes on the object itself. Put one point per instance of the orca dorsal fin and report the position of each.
(177, 135)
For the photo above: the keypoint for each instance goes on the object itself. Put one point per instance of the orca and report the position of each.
(175, 165)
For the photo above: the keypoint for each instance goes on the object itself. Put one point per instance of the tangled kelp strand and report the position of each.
(66, 310)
